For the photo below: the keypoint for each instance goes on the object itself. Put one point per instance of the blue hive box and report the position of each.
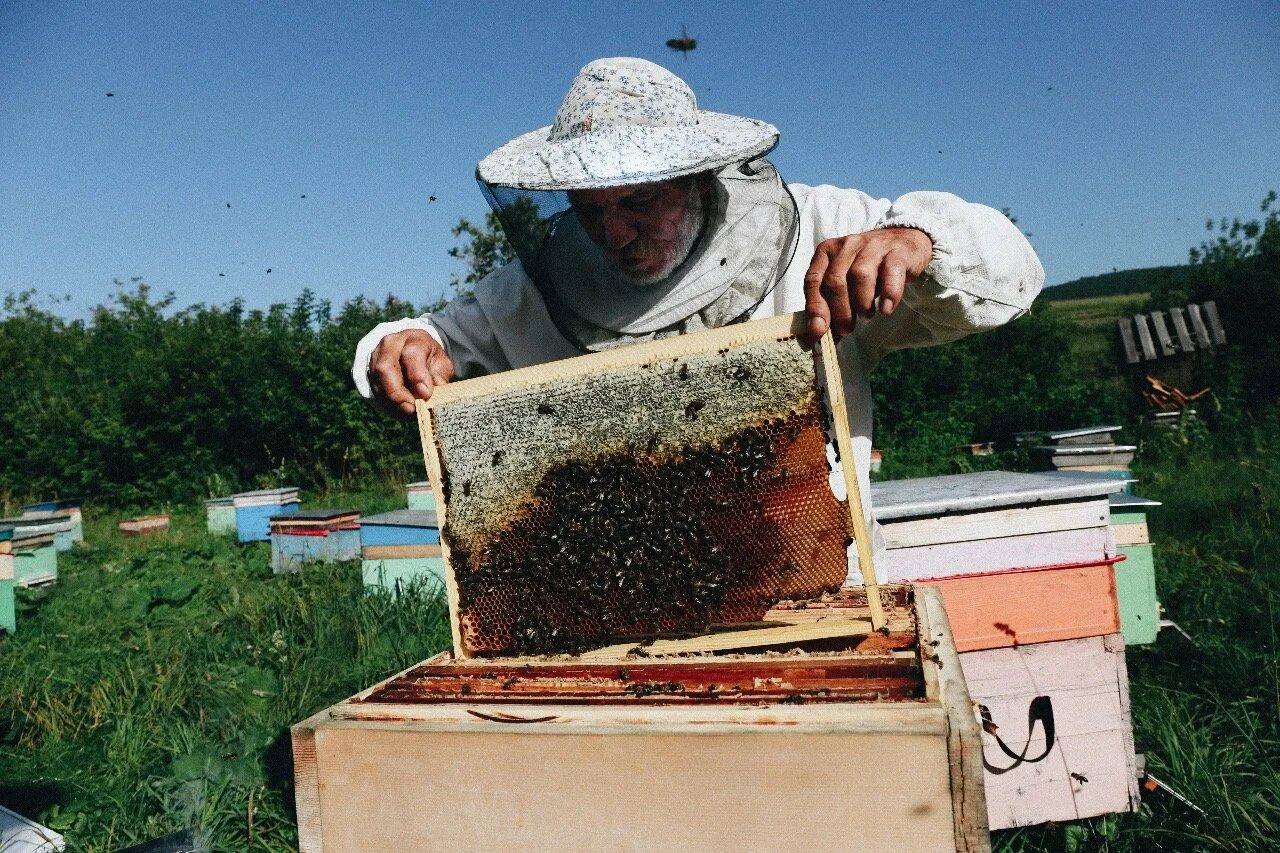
(314, 536)
(66, 507)
(400, 549)
(255, 509)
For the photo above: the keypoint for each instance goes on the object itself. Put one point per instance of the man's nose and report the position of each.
(618, 230)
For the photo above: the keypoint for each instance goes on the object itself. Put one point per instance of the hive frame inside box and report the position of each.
(781, 328)
(653, 773)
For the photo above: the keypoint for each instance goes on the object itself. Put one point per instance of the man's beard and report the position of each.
(687, 234)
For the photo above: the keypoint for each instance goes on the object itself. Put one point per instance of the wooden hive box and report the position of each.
(220, 516)
(144, 525)
(254, 510)
(420, 496)
(35, 557)
(63, 506)
(401, 548)
(1019, 558)
(8, 613)
(1058, 743)
(872, 744)
(1136, 576)
(644, 553)
(313, 536)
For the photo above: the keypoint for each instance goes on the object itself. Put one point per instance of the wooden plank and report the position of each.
(844, 444)
(1020, 608)
(1218, 333)
(1136, 594)
(400, 552)
(1005, 553)
(1144, 337)
(1089, 768)
(20, 835)
(1125, 325)
(752, 638)
(982, 490)
(1197, 325)
(1128, 515)
(1131, 534)
(1162, 334)
(1013, 521)
(1179, 318)
(944, 674)
(306, 784)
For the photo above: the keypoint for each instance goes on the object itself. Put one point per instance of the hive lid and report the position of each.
(213, 503)
(402, 518)
(661, 487)
(1080, 432)
(1084, 449)
(983, 490)
(306, 516)
(1123, 501)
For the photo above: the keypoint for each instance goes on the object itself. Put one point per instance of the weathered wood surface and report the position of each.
(990, 524)
(401, 552)
(1003, 553)
(892, 775)
(1179, 318)
(402, 518)
(1198, 326)
(1082, 435)
(1218, 333)
(750, 638)
(985, 490)
(1119, 502)
(1089, 768)
(1131, 354)
(1077, 456)
(1144, 337)
(1131, 534)
(397, 574)
(1162, 334)
(1020, 608)
(1136, 595)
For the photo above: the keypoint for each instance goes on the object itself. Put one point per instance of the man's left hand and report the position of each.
(848, 274)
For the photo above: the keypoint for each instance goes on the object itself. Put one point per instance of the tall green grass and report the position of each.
(152, 688)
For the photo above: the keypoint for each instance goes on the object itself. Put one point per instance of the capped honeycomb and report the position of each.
(626, 500)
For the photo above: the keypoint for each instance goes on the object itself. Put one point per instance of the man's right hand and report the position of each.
(407, 366)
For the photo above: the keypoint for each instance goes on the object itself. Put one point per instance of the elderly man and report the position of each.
(636, 215)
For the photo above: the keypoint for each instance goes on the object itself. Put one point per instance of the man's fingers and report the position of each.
(414, 366)
(864, 279)
(815, 304)
(441, 367)
(893, 282)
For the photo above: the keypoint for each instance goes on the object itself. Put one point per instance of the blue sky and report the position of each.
(1112, 130)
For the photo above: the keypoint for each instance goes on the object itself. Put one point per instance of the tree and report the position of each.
(498, 242)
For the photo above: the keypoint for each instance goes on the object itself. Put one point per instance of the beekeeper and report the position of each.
(637, 215)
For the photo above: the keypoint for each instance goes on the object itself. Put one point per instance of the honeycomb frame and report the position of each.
(731, 423)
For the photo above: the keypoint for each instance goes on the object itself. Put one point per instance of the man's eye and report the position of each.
(641, 200)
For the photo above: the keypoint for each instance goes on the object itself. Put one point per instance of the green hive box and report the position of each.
(1135, 575)
(8, 617)
(36, 566)
(220, 515)
(397, 574)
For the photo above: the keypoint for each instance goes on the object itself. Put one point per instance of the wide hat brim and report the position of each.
(621, 155)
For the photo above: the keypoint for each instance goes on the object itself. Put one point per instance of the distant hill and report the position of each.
(1116, 283)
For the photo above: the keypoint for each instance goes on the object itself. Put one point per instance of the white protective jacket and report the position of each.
(984, 273)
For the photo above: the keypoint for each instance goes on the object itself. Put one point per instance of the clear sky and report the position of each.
(1112, 130)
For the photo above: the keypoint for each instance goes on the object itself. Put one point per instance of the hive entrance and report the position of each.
(659, 489)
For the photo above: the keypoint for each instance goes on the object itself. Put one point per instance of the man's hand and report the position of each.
(848, 273)
(408, 365)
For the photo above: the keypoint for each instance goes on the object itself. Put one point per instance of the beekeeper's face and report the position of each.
(644, 230)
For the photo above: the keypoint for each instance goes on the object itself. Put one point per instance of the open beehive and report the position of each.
(867, 742)
(645, 552)
(662, 488)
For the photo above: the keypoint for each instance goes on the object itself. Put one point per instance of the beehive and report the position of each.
(663, 487)
(867, 742)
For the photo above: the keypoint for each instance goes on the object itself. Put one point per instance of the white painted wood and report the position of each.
(955, 559)
(1080, 433)
(20, 835)
(1121, 501)
(990, 524)
(1088, 686)
(929, 496)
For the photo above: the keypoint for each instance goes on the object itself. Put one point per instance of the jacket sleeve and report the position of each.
(983, 274)
(463, 327)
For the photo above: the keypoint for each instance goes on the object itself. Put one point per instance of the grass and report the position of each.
(152, 688)
(1095, 346)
